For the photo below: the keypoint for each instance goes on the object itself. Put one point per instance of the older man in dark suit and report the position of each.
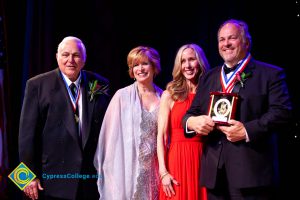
(239, 159)
(60, 124)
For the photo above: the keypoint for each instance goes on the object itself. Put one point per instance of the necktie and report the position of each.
(228, 70)
(73, 89)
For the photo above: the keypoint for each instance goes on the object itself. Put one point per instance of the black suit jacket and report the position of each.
(264, 108)
(48, 141)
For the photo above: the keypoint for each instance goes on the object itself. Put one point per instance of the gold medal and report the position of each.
(76, 118)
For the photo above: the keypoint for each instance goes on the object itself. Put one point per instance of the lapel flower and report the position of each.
(241, 78)
(95, 89)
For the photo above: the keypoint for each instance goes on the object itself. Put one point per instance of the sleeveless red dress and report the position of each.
(184, 157)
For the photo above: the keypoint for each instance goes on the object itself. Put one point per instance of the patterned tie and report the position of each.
(73, 89)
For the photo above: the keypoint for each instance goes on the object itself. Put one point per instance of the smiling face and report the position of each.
(189, 65)
(70, 58)
(143, 63)
(143, 71)
(232, 46)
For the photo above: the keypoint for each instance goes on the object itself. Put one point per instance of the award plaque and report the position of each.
(222, 106)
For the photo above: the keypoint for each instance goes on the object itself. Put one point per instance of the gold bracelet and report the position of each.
(163, 175)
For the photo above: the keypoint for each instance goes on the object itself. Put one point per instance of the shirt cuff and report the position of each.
(186, 127)
(247, 137)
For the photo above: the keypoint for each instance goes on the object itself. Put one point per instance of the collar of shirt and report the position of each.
(77, 82)
(229, 70)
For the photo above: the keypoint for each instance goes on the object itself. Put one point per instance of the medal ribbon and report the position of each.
(75, 101)
(228, 84)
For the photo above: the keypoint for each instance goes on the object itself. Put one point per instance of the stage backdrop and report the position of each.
(110, 29)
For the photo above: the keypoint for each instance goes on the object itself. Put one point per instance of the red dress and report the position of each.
(184, 157)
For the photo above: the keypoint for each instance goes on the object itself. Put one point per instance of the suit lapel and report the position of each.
(69, 120)
(216, 85)
(248, 69)
(87, 110)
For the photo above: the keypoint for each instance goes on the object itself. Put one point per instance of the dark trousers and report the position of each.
(87, 190)
(223, 191)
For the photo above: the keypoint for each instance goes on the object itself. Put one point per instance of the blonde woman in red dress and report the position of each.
(179, 157)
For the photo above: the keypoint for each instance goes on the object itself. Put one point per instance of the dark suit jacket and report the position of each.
(264, 108)
(48, 140)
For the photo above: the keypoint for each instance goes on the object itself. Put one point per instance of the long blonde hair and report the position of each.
(178, 87)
